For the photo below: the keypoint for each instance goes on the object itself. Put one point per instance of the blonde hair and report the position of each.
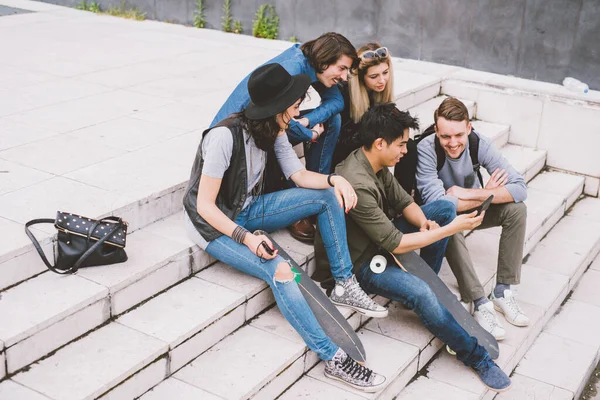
(359, 94)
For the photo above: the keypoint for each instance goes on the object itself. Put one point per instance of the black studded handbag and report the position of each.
(83, 242)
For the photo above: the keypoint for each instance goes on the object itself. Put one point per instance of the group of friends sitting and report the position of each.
(246, 176)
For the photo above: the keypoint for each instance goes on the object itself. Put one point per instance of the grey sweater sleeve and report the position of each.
(491, 159)
(429, 184)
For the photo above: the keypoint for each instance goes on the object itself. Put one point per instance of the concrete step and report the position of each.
(220, 300)
(547, 277)
(49, 310)
(92, 366)
(424, 111)
(412, 88)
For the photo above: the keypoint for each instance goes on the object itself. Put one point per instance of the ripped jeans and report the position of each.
(274, 211)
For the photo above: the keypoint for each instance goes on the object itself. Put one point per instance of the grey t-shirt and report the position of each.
(217, 149)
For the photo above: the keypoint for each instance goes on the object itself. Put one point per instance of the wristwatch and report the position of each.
(329, 178)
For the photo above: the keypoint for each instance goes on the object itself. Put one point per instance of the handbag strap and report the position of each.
(36, 244)
(81, 259)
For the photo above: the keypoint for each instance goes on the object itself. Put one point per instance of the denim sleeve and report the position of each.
(373, 221)
(491, 159)
(429, 184)
(298, 132)
(332, 103)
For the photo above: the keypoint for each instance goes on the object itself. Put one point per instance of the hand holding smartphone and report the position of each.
(485, 205)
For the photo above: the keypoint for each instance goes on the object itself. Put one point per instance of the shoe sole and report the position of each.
(507, 319)
(302, 239)
(489, 387)
(366, 389)
(368, 313)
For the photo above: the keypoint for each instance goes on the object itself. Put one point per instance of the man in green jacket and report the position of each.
(386, 220)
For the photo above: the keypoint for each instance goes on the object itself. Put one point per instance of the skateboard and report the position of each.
(412, 263)
(331, 320)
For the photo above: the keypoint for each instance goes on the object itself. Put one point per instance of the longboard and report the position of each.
(415, 265)
(331, 320)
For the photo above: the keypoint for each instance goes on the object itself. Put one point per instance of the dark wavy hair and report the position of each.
(263, 131)
(327, 49)
(384, 121)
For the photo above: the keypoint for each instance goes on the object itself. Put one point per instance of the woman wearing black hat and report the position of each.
(224, 201)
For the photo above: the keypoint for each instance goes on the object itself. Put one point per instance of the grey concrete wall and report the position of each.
(536, 39)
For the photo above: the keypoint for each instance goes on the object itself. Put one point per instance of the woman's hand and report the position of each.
(254, 243)
(344, 192)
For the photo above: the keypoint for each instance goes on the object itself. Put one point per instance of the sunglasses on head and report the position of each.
(381, 52)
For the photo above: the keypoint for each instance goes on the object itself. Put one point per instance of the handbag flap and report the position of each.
(78, 225)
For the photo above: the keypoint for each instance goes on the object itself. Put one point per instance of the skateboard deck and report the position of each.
(415, 265)
(331, 320)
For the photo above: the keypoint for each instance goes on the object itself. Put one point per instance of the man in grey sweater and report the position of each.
(456, 182)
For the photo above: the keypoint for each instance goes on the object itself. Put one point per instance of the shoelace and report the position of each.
(485, 364)
(355, 290)
(355, 370)
(489, 317)
(512, 303)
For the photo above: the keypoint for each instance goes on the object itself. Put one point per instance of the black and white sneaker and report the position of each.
(343, 368)
(349, 294)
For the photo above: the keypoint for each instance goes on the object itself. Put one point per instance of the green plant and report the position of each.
(237, 27)
(227, 18)
(92, 6)
(199, 17)
(126, 12)
(266, 22)
(294, 39)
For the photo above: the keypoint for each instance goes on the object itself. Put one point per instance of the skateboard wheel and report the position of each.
(378, 264)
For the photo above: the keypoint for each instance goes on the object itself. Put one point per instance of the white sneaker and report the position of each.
(487, 318)
(508, 306)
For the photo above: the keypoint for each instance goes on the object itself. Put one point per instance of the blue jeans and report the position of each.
(319, 155)
(397, 285)
(440, 211)
(277, 210)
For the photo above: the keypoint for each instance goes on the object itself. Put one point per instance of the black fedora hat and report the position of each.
(272, 90)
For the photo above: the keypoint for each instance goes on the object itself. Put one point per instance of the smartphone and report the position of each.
(485, 205)
(267, 248)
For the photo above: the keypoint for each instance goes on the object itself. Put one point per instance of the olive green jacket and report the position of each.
(368, 227)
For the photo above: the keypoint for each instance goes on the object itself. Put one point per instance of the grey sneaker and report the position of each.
(349, 294)
(343, 368)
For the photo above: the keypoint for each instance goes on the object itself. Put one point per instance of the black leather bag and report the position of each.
(83, 242)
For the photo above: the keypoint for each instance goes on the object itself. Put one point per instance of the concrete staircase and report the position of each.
(171, 303)
(172, 322)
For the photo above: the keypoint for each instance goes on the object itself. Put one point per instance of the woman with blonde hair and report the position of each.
(372, 82)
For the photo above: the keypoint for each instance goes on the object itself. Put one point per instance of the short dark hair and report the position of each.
(327, 49)
(384, 121)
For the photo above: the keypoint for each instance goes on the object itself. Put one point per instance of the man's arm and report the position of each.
(332, 103)
(376, 225)
(506, 184)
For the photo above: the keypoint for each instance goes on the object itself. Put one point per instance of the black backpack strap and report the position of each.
(474, 153)
(441, 155)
